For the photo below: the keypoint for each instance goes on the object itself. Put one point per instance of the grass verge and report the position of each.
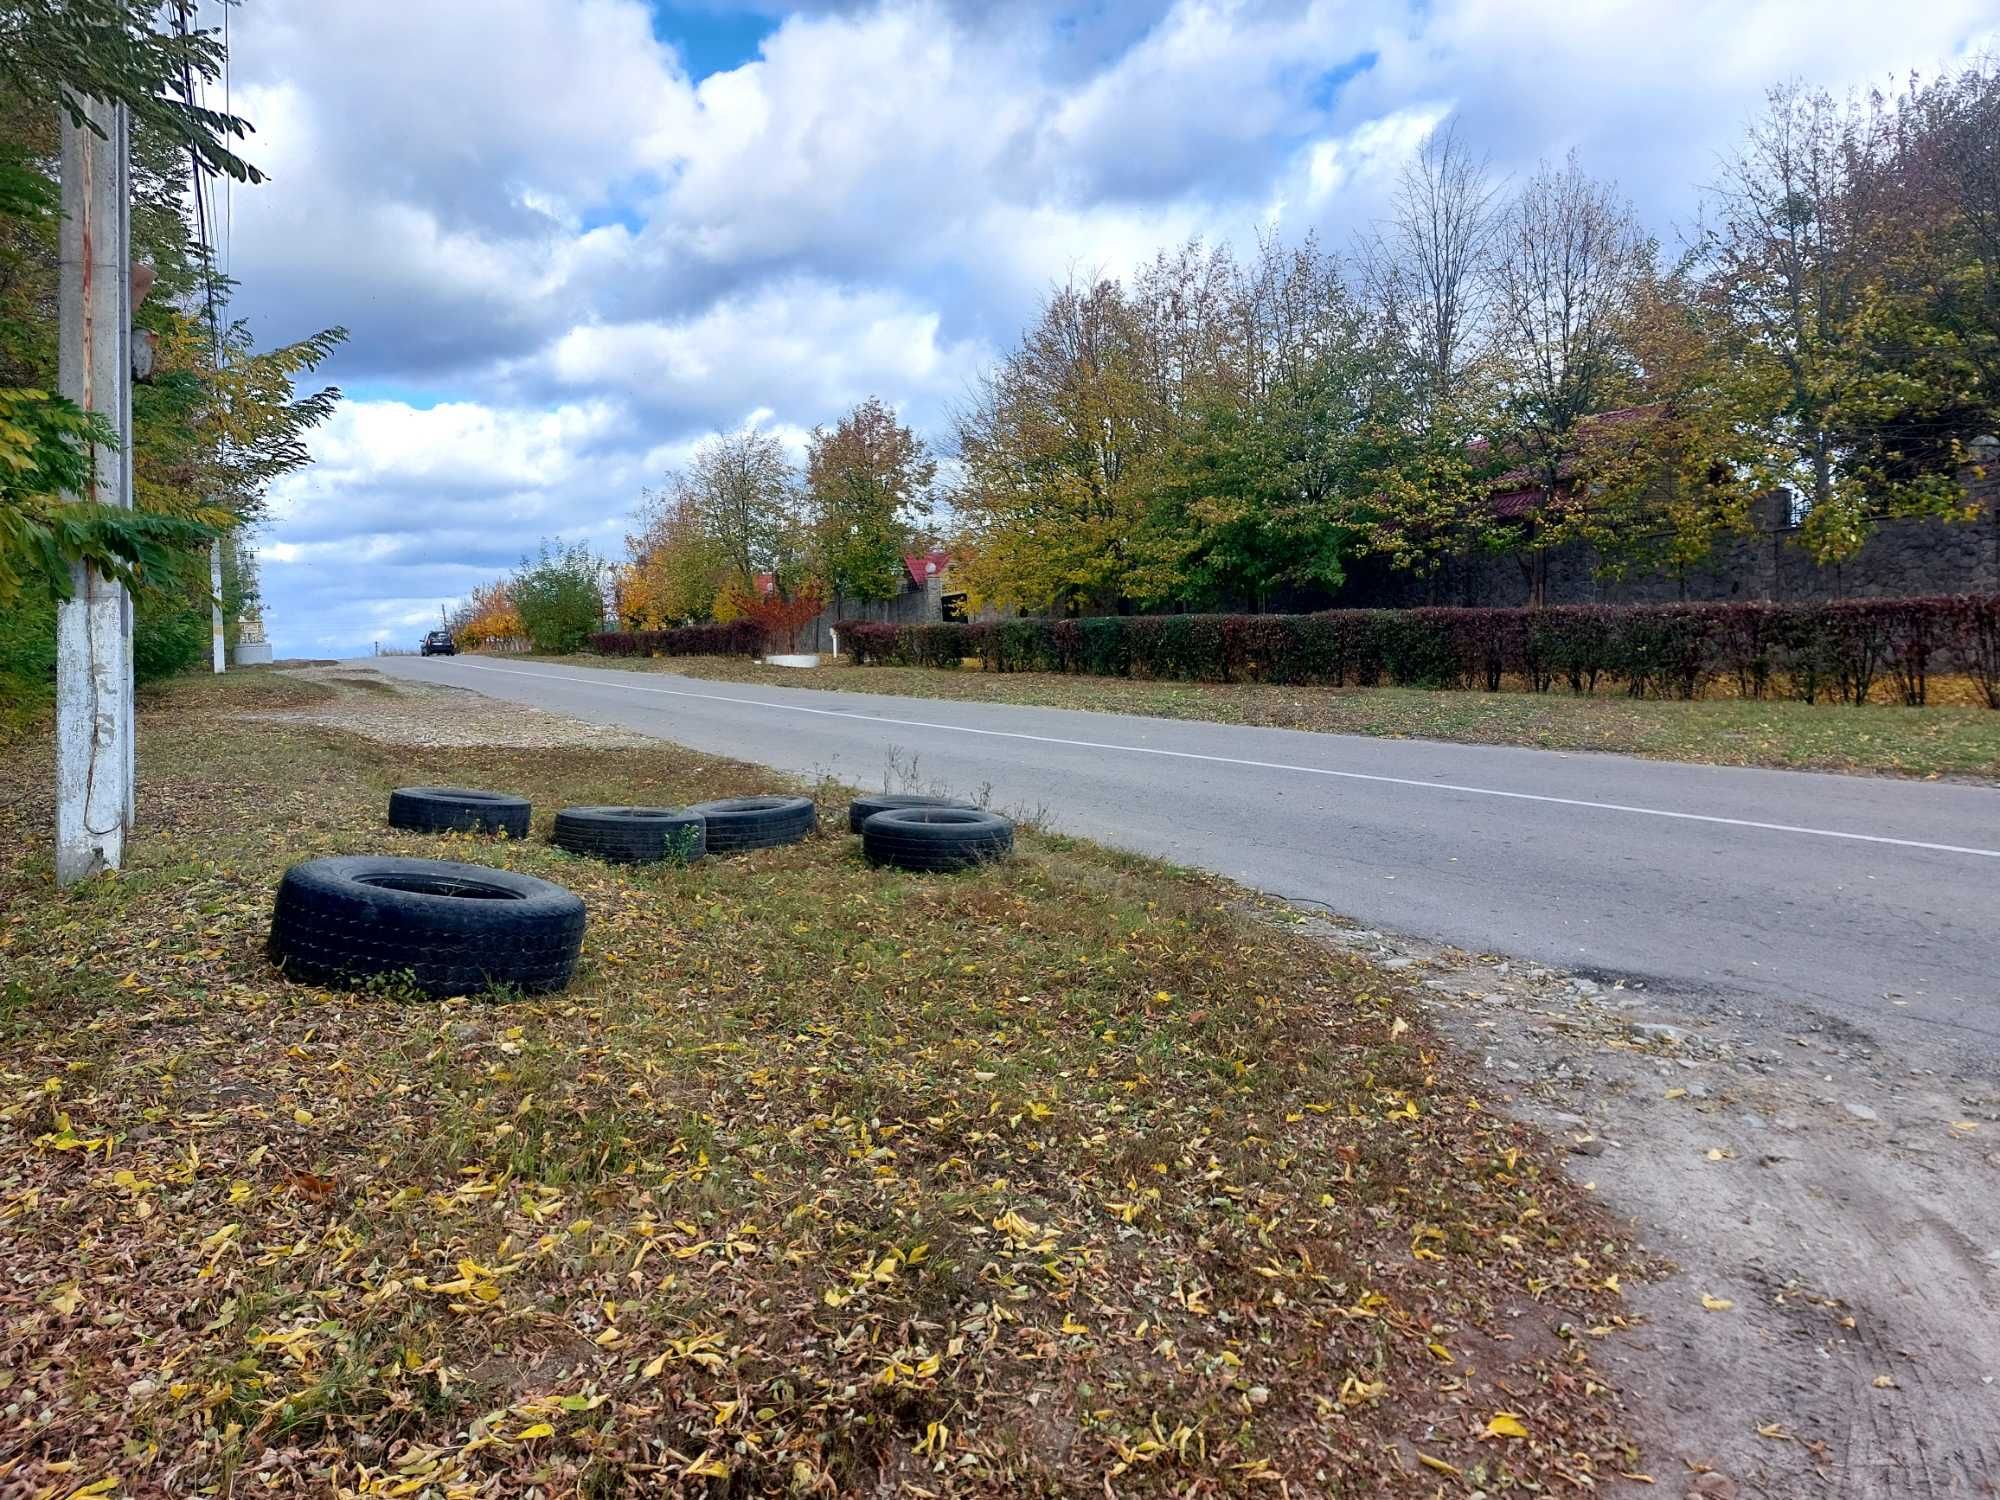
(1062, 1176)
(1881, 739)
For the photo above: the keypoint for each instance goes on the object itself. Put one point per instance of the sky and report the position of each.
(570, 238)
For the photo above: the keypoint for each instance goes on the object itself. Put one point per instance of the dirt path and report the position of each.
(1838, 1209)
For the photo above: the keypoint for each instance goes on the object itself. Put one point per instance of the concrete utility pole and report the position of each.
(94, 783)
(215, 630)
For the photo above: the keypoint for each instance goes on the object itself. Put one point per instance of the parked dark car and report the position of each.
(440, 643)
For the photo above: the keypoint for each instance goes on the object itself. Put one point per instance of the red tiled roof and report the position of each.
(1513, 505)
(922, 565)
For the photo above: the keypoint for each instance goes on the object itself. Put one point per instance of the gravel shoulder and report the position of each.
(1832, 1328)
(404, 712)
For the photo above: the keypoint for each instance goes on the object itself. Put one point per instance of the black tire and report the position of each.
(632, 835)
(861, 809)
(936, 838)
(442, 927)
(450, 809)
(739, 823)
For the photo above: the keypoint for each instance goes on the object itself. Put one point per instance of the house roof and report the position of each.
(923, 565)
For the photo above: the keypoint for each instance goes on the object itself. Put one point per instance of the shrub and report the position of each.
(559, 597)
(1843, 647)
(1979, 634)
(167, 640)
(169, 636)
(744, 637)
(871, 645)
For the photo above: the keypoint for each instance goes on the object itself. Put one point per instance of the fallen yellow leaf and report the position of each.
(1437, 1463)
(1505, 1424)
(1716, 1304)
(539, 1430)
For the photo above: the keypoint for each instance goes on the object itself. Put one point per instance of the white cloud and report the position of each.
(1373, 152)
(808, 347)
(454, 449)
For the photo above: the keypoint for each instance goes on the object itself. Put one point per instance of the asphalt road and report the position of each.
(1871, 900)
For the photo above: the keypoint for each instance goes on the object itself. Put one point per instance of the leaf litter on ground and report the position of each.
(1061, 1175)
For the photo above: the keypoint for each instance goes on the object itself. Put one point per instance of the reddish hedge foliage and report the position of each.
(1837, 649)
(737, 638)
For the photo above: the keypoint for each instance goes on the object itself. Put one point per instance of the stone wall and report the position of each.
(1900, 558)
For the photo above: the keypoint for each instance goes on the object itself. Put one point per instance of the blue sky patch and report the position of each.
(711, 39)
(1326, 89)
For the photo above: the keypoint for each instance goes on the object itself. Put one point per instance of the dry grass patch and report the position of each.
(1060, 1176)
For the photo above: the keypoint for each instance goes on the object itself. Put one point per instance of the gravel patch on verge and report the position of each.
(1833, 1327)
(401, 712)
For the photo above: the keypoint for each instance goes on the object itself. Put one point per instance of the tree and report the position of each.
(868, 480)
(676, 566)
(1257, 487)
(1657, 486)
(53, 54)
(559, 596)
(1950, 159)
(705, 537)
(1429, 269)
(1570, 257)
(1852, 256)
(1924, 341)
(1048, 450)
(743, 487)
(44, 461)
(208, 436)
(488, 613)
(1785, 263)
(66, 51)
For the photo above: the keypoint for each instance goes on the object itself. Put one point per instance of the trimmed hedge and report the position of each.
(1837, 650)
(737, 638)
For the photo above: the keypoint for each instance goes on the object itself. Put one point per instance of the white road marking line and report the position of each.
(1263, 765)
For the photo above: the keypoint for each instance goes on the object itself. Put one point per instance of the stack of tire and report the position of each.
(911, 832)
